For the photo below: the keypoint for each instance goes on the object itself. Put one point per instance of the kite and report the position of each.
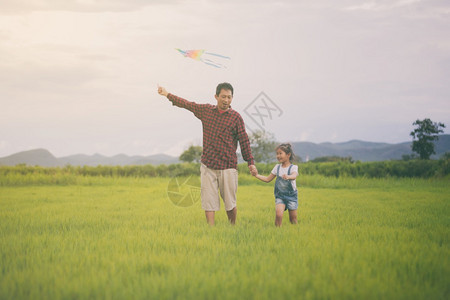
(208, 58)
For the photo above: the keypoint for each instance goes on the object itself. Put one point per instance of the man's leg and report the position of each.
(232, 215)
(210, 217)
(209, 193)
(228, 183)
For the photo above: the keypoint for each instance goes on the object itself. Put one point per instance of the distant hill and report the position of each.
(365, 151)
(117, 160)
(358, 150)
(42, 157)
(37, 157)
(443, 145)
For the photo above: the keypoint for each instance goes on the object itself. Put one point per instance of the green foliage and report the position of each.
(332, 159)
(381, 169)
(424, 136)
(407, 157)
(28, 175)
(444, 165)
(192, 154)
(263, 146)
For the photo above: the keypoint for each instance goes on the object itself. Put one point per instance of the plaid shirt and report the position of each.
(221, 133)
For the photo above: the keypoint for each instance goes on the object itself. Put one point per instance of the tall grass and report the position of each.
(27, 175)
(24, 175)
(121, 238)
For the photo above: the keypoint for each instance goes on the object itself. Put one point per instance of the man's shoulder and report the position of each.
(232, 111)
(235, 114)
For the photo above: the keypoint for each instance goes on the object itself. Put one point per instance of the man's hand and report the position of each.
(253, 170)
(162, 91)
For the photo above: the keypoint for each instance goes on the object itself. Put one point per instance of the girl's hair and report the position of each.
(287, 148)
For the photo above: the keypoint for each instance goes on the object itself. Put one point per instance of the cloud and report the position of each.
(28, 6)
(4, 145)
(34, 77)
(328, 64)
(416, 9)
(382, 5)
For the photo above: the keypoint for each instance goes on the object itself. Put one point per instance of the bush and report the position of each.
(22, 174)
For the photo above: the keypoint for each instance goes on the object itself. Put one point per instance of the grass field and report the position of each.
(121, 238)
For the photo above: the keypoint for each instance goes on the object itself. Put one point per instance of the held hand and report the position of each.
(253, 170)
(162, 91)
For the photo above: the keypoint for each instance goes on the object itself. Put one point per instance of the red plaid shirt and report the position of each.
(221, 133)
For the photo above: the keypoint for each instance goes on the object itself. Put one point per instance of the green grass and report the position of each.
(121, 238)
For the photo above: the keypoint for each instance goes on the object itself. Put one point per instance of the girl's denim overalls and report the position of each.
(285, 192)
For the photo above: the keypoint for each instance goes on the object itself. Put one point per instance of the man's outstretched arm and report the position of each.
(162, 91)
(197, 109)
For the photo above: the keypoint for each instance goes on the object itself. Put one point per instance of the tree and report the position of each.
(424, 136)
(263, 146)
(408, 157)
(192, 154)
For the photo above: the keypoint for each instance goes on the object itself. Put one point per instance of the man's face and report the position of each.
(224, 99)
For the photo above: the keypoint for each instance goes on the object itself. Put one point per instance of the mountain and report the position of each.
(358, 150)
(117, 160)
(42, 157)
(365, 151)
(442, 145)
(38, 157)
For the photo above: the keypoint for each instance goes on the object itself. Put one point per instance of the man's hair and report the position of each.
(224, 86)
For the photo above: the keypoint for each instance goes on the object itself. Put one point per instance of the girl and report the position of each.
(286, 194)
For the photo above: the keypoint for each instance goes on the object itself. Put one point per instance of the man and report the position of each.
(223, 128)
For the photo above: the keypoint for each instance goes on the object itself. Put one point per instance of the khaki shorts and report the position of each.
(213, 181)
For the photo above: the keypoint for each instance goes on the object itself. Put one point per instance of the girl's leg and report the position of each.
(279, 210)
(293, 216)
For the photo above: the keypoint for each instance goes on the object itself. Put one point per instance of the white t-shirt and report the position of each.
(285, 171)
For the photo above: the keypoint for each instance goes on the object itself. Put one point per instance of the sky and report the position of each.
(81, 76)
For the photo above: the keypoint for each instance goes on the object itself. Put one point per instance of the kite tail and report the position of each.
(218, 55)
(211, 63)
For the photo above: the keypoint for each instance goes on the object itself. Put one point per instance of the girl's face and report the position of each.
(282, 156)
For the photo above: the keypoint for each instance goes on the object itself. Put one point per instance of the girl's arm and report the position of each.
(290, 177)
(266, 178)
